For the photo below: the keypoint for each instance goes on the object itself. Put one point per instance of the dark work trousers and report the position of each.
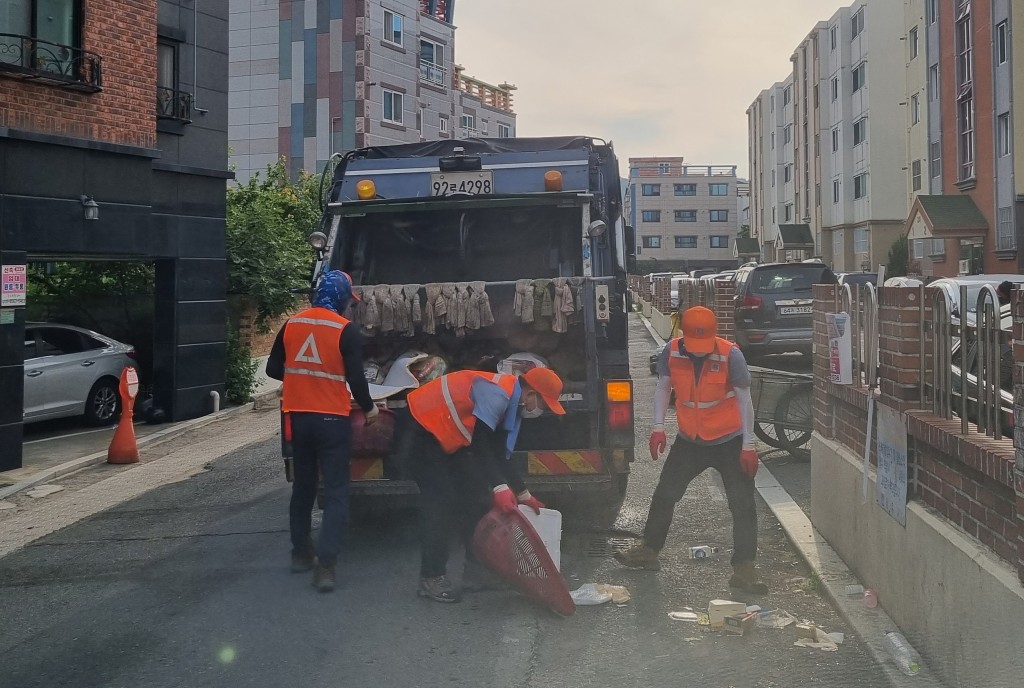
(324, 441)
(685, 461)
(454, 496)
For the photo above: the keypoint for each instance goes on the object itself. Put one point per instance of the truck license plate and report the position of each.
(461, 183)
(796, 310)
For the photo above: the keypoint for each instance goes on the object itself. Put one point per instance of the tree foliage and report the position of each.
(899, 258)
(268, 220)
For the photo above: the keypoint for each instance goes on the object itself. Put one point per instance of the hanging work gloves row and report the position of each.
(398, 308)
(547, 303)
(459, 306)
(388, 308)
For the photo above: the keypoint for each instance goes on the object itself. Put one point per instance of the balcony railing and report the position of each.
(433, 74)
(470, 132)
(172, 104)
(33, 59)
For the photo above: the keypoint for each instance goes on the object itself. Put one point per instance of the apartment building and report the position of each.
(866, 201)
(807, 134)
(772, 185)
(310, 78)
(124, 162)
(685, 215)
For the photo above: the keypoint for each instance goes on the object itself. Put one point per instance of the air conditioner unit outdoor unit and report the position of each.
(965, 267)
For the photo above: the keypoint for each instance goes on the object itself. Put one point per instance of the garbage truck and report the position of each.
(494, 255)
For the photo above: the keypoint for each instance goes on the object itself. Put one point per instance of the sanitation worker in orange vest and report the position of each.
(466, 427)
(716, 430)
(319, 357)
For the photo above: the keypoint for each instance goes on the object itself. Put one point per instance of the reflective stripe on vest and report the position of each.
(444, 407)
(314, 371)
(706, 407)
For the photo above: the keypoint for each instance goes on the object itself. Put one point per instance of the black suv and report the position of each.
(774, 306)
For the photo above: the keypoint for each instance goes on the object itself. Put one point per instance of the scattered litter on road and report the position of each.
(870, 599)
(693, 640)
(44, 491)
(702, 551)
(903, 653)
(798, 582)
(751, 608)
(775, 618)
(719, 609)
(4, 505)
(683, 616)
(740, 625)
(837, 637)
(591, 594)
(854, 590)
(809, 635)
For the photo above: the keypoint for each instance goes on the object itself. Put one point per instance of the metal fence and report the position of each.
(861, 303)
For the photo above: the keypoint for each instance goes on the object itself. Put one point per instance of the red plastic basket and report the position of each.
(509, 546)
(372, 440)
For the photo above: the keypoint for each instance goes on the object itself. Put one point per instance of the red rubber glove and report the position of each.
(504, 500)
(657, 443)
(529, 500)
(749, 462)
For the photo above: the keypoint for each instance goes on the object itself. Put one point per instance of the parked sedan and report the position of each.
(974, 284)
(70, 371)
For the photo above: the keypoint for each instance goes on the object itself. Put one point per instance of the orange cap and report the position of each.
(700, 327)
(548, 385)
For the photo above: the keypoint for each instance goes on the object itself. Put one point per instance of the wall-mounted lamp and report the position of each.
(597, 228)
(91, 208)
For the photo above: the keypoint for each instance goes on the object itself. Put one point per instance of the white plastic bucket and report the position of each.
(549, 526)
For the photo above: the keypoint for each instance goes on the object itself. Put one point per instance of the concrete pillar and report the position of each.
(899, 347)
(824, 409)
(12, 372)
(1018, 431)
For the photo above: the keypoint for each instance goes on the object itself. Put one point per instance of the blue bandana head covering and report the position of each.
(334, 291)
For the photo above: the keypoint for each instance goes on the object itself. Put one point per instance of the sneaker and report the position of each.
(303, 558)
(639, 556)
(745, 578)
(438, 588)
(323, 578)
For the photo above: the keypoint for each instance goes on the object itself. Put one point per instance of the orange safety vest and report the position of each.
(444, 408)
(707, 408)
(314, 372)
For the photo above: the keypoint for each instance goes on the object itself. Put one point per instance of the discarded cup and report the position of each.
(702, 551)
(870, 598)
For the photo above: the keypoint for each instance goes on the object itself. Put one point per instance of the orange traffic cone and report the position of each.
(123, 447)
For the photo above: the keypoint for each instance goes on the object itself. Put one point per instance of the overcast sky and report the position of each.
(658, 77)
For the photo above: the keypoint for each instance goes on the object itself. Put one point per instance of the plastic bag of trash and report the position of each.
(775, 618)
(590, 594)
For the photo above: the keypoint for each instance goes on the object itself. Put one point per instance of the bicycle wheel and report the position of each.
(794, 419)
(766, 433)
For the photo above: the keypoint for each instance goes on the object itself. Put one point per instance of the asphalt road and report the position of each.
(188, 585)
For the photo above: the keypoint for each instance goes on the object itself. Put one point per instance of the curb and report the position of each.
(78, 464)
(869, 625)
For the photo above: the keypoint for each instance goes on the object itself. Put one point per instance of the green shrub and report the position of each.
(240, 377)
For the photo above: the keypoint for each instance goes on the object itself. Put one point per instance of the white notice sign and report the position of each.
(892, 463)
(840, 348)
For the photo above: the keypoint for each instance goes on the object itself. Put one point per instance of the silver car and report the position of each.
(70, 371)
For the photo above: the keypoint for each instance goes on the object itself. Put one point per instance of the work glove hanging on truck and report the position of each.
(465, 428)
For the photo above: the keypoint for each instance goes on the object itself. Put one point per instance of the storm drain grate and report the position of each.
(604, 546)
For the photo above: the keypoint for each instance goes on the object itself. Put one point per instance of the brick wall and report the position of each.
(971, 480)
(123, 33)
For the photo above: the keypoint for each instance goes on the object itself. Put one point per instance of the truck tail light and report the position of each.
(619, 404)
(131, 354)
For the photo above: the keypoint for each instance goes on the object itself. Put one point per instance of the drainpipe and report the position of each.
(215, 395)
(195, 58)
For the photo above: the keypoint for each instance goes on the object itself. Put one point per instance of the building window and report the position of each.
(170, 102)
(718, 189)
(915, 109)
(837, 243)
(935, 160)
(393, 105)
(860, 241)
(393, 24)
(651, 215)
(1005, 237)
(773, 178)
(686, 215)
(442, 124)
(917, 249)
(938, 247)
(432, 62)
(835, 140)
(930, 11)
(1001, 43)
(815, 96)
(915, 175)
(860, 186)
(787, 95)
(1003, 134)
(835, 89)
(651, 241)
(719, 215)
(504, 131)
(965, 123)
(686, 242)
(650, 189)
(835, 190)
(787, 134)
(684, 189)
(787, 174)
(468, 125)
(773, 140)
(964, 46)
(860, 131)
(664, 168)
(787, 215)
(912, 40)
(857, 23)
(860, 76)
(719, 241)
(933, 82)
(833, 34)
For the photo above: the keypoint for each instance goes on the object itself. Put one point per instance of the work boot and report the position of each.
(744, 577)
(437, 588)
(639, 556)
(323, 578)
(477, 578)
(303, 558)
